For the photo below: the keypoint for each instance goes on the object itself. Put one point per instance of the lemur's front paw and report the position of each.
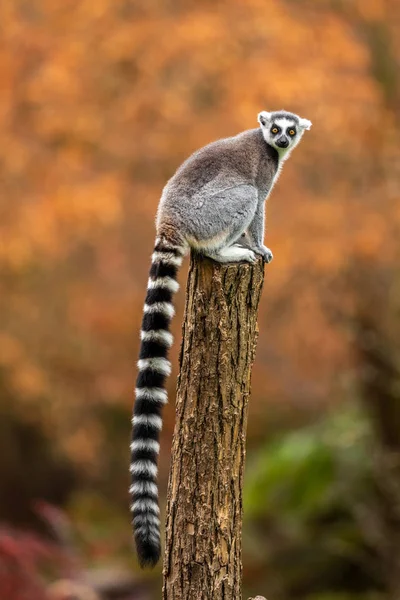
(265, 253)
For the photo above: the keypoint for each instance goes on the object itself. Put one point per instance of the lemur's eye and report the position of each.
(292, 132)
(274, 130)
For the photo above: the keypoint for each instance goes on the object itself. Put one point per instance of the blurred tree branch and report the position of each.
(375, 322)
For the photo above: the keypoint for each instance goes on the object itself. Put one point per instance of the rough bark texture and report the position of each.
(204, 511)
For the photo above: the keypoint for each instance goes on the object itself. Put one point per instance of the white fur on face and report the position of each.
(267, 121)
(284, 123)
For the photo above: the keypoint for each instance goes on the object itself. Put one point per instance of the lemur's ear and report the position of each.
(305, 123)
(264, 117)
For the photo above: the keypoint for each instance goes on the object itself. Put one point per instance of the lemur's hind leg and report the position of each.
(233, 253)
(231, 250)
(227, 214)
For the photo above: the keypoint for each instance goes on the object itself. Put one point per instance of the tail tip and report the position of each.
(148, 552)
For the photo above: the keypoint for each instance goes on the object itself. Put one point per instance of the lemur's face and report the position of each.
(282, 130)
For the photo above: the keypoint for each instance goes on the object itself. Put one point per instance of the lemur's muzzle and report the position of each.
(283, 142)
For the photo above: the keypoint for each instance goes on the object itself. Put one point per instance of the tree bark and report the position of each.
(204, 510)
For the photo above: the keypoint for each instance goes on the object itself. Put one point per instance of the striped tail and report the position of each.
(154, 367)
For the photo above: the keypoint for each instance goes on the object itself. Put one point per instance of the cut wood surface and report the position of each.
(203, 556)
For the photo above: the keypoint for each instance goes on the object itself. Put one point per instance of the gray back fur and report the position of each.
(214, 194)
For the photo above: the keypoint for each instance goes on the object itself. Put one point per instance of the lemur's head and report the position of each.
(282, 130)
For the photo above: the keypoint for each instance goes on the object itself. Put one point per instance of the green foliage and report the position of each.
(301, 495)
(304, 472)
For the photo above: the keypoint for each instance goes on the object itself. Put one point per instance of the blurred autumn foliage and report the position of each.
(100, 102)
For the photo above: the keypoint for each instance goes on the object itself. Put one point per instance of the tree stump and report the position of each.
(204, 510)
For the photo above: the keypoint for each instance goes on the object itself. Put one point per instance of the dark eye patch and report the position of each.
(291, 131)
(277, 128)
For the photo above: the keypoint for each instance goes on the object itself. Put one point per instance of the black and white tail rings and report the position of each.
(154, 367)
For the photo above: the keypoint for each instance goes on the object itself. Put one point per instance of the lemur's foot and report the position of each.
(245, 242)
(247, 254)
(233, 253)
(265, 253)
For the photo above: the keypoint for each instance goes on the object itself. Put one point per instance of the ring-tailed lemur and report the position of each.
(216, 196)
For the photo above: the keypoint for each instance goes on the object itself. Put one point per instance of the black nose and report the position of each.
(282, 143)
